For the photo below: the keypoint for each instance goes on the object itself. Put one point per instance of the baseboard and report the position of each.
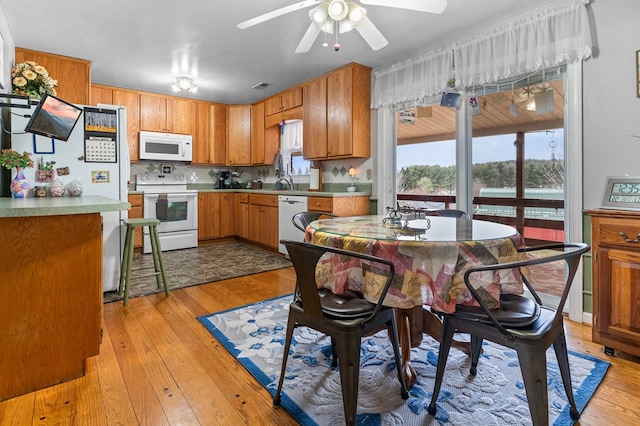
(587, 318)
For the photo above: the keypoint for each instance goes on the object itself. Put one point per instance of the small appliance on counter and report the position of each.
(223, 181)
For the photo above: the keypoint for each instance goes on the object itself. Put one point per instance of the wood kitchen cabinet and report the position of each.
(257, 133)
(616, 279)
(238, 135)
(286, 100)
(263, 219)
(130, 99)
(73, 75)
(160, 113)
(215, 215)
(209, 140)
(135, 212)
(340, 206)
(241, 210)
(337, 114)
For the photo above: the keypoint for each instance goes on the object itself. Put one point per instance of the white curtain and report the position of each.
(290, 141)
(544, 40)
(412, 82)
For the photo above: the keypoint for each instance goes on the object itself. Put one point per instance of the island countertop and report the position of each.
(54, 206)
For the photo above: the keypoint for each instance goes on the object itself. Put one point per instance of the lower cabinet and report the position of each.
(241, 213)
(615, 256)
(215, 215)
(135, 212)
(263, 219)
(340, 206)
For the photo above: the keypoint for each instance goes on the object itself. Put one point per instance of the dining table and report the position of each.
(430, 256)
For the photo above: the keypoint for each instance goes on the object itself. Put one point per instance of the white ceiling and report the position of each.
(145, 44)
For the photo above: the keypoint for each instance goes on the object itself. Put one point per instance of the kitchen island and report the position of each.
(50, 289)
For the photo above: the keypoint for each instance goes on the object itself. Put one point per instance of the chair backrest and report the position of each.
(303, 219)
(447, 213)
(305, 257)
(571, 253)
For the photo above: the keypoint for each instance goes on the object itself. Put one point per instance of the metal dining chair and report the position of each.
(520, 323)
(303, 219)
(345, 317)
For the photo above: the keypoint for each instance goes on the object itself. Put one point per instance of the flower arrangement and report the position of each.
(31, 79)
(13, 159)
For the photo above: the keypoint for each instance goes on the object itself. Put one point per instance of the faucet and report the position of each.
(288, 180)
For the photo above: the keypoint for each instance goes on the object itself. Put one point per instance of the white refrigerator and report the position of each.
(106, 174)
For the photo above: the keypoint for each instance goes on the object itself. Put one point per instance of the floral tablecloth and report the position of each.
(426, 272)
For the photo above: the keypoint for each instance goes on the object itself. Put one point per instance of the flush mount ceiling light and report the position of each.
(184, 84)
(340, 16)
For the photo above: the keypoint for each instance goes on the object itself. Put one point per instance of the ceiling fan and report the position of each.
(344, 15)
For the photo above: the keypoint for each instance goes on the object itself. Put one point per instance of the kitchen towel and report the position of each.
(278, 165)
(162, 207)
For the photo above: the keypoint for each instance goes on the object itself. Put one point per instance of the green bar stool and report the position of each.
(127, 268)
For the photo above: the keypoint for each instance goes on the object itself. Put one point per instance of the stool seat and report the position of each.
(127, 268)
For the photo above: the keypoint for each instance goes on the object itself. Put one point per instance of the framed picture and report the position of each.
(638, 73)
(43, 145)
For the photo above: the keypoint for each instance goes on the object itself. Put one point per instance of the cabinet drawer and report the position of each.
(264, 200)
(323, 204)
(611, 230)
(243, 198)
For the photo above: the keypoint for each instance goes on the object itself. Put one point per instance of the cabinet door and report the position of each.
(618, 294)
(273, 105)
(73, 75)
(291, 98)
(339, 119)
(201, 139)
(135, 212)
(131, 101)
(257, 133)
(314, 130)
(242, 215)
(262, 226)
(218, 133)
(153, 113)
(226, 214)
(181, 116)
(239, 135)
(101, 95)
(208, 225)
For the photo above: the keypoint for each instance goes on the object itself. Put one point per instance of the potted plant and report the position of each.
(15, 160)
(33, 80)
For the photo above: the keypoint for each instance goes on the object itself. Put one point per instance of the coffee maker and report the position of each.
(223, 180)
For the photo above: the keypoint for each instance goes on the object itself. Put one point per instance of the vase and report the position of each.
(19, 184)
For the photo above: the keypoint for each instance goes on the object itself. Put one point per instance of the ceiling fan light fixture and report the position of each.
(356, 14)
(319, 14)
(338, 10)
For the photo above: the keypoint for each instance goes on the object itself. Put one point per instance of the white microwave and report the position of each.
(165, 146)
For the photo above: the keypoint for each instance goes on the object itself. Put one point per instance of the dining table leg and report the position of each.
(412, 324)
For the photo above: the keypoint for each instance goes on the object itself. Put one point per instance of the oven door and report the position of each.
(177, 211)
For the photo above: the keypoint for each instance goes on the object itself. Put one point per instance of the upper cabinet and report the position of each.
(73, 75)
(337, 114)
(257, 133)
(286, 100)
(130, 99)
(159, 113)
(239, 135)
(209, 143)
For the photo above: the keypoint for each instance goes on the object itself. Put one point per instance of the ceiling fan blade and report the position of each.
(278, 12)
(371, 34)
(308, 39)
(430, 6)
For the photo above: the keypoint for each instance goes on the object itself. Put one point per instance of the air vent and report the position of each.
(260, 85)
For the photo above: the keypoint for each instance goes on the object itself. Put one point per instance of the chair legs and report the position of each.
(349, 363)
(443, 353)
(560, 347)
(291, 325)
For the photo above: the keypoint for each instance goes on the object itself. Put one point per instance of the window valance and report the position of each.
(544, 40)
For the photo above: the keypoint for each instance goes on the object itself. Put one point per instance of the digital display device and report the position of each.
(54, 118)
(622, 192)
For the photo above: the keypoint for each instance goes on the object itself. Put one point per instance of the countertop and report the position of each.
(53, 206)
(287, 192)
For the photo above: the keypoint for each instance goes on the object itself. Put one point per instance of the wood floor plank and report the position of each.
(155, 347)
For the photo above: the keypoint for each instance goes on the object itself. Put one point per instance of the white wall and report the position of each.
(610, 106)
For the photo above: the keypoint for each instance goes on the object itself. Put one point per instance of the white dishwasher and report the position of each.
(288, 206)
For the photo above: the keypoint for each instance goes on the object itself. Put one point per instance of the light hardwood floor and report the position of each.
(159, 366)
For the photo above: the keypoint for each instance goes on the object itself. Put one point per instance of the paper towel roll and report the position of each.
(314, 179)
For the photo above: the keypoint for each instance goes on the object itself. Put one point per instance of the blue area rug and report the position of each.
(254, 334)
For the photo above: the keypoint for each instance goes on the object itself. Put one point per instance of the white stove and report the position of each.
(167, 198)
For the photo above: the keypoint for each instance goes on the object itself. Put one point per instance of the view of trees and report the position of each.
(502, 174)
